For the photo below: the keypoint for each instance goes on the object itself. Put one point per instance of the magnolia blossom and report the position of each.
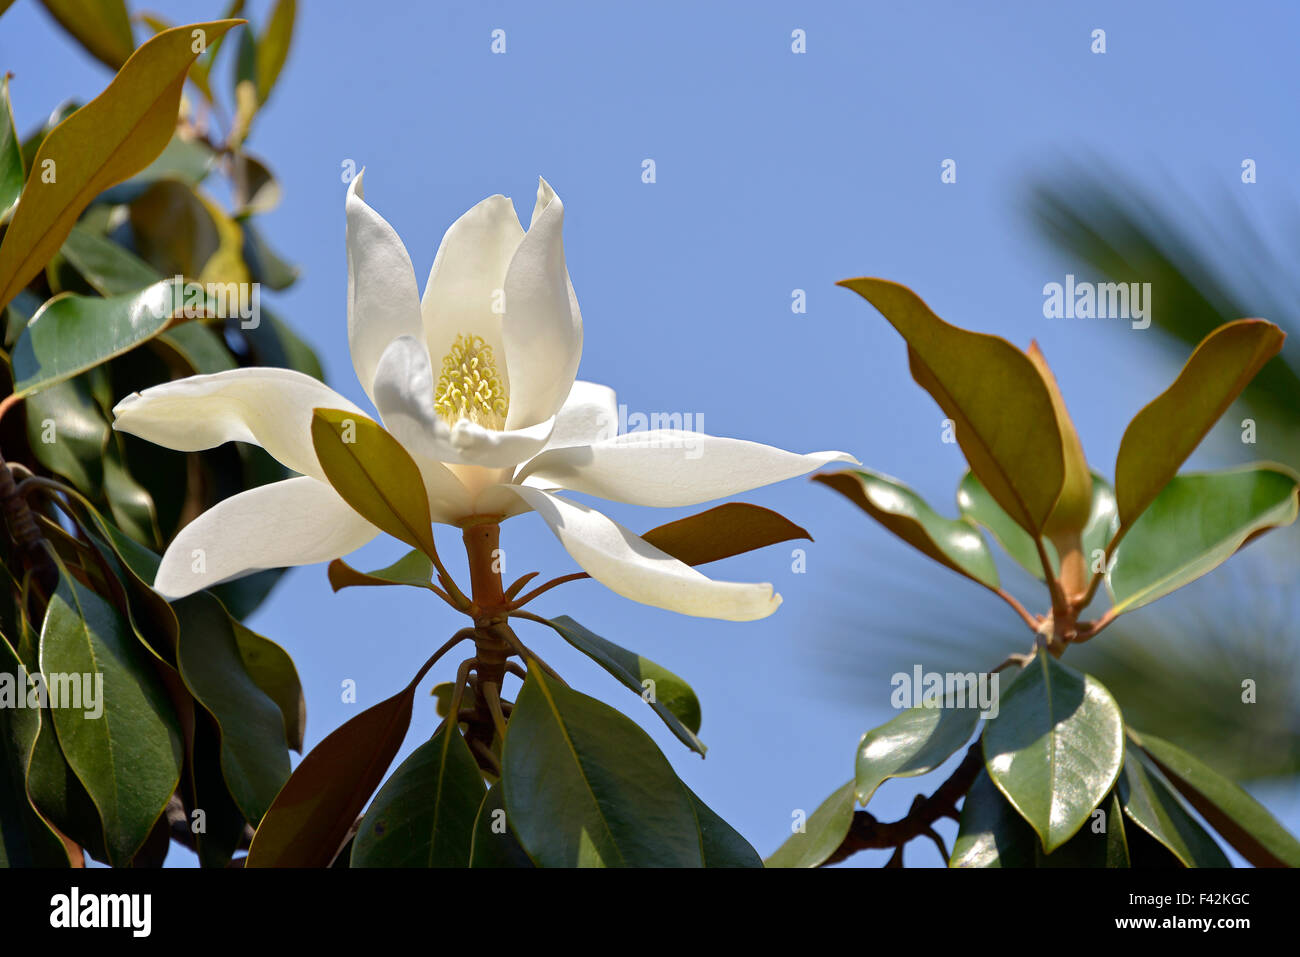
(477, 380)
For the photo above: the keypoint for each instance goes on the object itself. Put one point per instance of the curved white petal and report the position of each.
(299, 521)
(542, 327)
(465, 294)
(267, 407)
(501, 499)
(404, 397)
(383, 299)
(588, 415)
(449, 499)
(668, 467)
(630, 566)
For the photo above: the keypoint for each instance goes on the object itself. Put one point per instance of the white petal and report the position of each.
(267, 407)
(542, 327)
(630, 566)
(383, 299)
(404, 397)
(668, 467)
(299, 521)
(465, 294)
(500, 499)
(449, 500)
(589, 414)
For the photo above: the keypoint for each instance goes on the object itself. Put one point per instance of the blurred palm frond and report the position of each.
(1177, 668)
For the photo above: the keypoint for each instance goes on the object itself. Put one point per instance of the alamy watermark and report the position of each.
(76, 692)
(74, 909)
(1130, 301)
(216, 300)
(932, 689)
(661, 430)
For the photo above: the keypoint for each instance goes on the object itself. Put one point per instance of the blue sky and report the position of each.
(775, 171)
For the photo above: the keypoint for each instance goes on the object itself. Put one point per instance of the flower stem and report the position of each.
(491, 650)
(483, 547)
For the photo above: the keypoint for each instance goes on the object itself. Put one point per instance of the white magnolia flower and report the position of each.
(477, 381)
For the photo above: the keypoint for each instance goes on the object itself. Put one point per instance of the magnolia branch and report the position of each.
(867, 833)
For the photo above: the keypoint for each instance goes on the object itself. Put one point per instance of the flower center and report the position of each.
(469, 386)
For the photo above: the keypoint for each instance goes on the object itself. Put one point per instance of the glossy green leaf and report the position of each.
(68, 433)
(17, 314)
(102, 27)
(197, 347)
(274, 343)
(1103, 522)
(12, 172)
(265, 265)
(816, 837)
(254, 753)
(25, 838)
(584, 786)
(60, 797)
(1072, 509)
(129, 502)
(1239, 818)
(244, 88)
(273, 47)
(413, 568)
(670, 697)
(256, 188)
(179, 232)
(273, 670)
(951, 542)
(374, 474)
(424, 814)
(71, 334)
(150, 615)
(55, 791)
(112, 137)
(1055, 748)
(223, 821)
(110, 269)
(977, 505)
(129, 757)
(993, 834)
(1101, 842)
(729, 529)
(1194, 525)
(1005, 422)
(916, 742)
(720, 844)
(443, 694)
(1168, 429)
(201, 72)
(1155, 807)
(185, 160)
(495, 845)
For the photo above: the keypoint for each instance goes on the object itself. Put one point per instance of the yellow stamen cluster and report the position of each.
(469, 386)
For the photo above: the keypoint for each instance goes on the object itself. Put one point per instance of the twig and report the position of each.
(1059, 604)
(867, 833)
(489, 692)
(485, 752)
(523, 580)
(540, 589)
(524, 651)
(1032, 621)
(1091, 629)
